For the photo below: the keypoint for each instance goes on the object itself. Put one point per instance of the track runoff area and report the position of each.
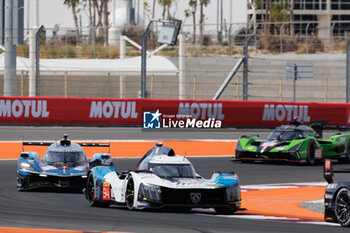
(277, 202)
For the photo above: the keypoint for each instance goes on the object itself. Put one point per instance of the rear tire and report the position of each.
(311, 153)
(90, 193)
(342, 207)
(130, 194)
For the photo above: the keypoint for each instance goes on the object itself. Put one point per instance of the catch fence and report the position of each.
(206, 66)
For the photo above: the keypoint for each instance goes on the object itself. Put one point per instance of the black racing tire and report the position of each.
(90, 193)
(342, 207)
(347, 158)
(130, 194)
(311, 153)
(225, 210)
(25, 182)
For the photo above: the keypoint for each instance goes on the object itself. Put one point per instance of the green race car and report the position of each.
(294, 142)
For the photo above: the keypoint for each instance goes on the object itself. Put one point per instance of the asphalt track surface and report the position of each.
(18, 133)
(65, 210)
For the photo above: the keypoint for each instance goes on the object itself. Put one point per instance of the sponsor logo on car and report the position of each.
(48, 168)
(318, 153)
(106, 191)
(195, 197)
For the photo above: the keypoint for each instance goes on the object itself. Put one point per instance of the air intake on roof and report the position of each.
(65, 141)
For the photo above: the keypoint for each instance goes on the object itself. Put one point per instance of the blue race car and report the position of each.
(64, 165)
(161, 179)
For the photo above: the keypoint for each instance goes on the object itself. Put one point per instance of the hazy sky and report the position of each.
(53, 12)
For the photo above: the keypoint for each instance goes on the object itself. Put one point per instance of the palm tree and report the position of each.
(74, 4)
(291, 15)
(202, 4)
(192, 11)
(166, 7)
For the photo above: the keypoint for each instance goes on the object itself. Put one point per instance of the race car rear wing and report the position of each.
(65, 142)
(319, 126)
(328, 171)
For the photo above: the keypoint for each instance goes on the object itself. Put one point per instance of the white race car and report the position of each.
(160, 179)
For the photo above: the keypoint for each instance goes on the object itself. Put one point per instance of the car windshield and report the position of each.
(284, 135)
(76, 157)
(172, 170)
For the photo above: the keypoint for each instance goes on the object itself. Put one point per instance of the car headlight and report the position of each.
(233, 193)
(149, 193)
(26, 167)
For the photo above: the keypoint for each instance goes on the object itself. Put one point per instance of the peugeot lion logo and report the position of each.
(195, 198)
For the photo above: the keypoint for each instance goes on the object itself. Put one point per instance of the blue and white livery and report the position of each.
(161, 179)
(63, 165)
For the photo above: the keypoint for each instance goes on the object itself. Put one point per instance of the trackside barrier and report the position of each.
(129, 112)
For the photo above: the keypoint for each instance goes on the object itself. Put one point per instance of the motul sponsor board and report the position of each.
(129, 112)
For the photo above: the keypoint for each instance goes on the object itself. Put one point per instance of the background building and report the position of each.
(325, 18)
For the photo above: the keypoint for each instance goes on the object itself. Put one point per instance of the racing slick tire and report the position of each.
(90, 193)
(130, 194)
(225, 210)
(347, 158)
(25, 182)
(311, 153)
(342, 207)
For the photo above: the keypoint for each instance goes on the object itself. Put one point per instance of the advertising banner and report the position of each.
(166, 113)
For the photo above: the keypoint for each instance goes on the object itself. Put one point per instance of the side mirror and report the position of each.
(328, 171)
(24, 155)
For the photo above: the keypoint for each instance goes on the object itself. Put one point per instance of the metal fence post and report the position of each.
(10, 77)
(109, 84)
(194, 87)
(347, 86)
(281, 38)
(122, 79)
(245, 67)
(143, 60)
(281, 86)
(295, 69)
(37, 60)
(182, 64)
(152, 85)
(237, 88)
(66, 84)
(229, 40)
(32, 55)
(326, 91)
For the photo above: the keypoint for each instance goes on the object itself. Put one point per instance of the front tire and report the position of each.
(311, 153)
(342, 207)
(91, 193)
(25, 182)
(347, 158)
(130, 194)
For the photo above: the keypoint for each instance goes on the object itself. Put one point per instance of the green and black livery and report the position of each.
(294, 142)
